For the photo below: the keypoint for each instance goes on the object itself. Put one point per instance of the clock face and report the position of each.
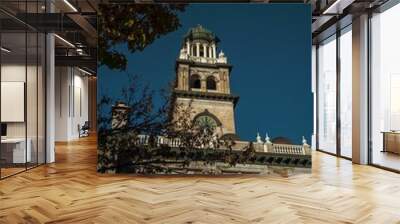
(205, 121)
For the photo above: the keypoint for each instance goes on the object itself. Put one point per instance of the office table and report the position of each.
(391, 141)
(13, 150)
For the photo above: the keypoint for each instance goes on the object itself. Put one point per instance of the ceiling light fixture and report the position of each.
(70, 5)
(64, 40)
(5, 49)
(84, 71)
(329, 9)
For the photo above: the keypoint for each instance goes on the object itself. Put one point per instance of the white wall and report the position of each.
(10, 73)
(80, 109)
(13, 73)
(71, 102)
(17, 73)
(62, 82)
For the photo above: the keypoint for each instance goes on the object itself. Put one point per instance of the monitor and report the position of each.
(3, 129)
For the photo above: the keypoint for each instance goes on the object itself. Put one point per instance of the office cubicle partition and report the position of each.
(22, 77)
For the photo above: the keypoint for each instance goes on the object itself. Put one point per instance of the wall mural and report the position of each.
(192, 125)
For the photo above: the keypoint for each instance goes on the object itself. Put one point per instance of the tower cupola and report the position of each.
(201, 33)
(200, 45)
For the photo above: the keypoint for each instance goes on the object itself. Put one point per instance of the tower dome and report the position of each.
(200, 33)
(200, 45)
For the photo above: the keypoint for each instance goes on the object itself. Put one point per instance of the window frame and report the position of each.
(335, 37)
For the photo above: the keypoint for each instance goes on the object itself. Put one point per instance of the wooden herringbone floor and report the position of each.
(70, 191)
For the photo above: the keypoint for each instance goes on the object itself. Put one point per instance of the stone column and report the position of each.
(185, 79)
(198, 49)
(205, 50)
(228, 90)
(179, 77)
(214, 49)
(221, 82)
(187, 47)
(203, 83)
(210, 52)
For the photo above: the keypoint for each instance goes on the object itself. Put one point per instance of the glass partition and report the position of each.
(327, 95)
(385, 89)
(346, 92)
(14, 144)
(22, 101)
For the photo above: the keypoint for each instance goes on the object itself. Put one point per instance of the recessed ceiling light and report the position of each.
(70, 5)
(333, 6)
(5, 50)
(64, 40)
(84, 71)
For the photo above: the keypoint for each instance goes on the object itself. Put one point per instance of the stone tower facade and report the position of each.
(202, 80)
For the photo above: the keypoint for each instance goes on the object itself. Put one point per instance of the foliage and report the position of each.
(147, 159)
(137, 25)
(191, 135)
(120, 148)
(142, 118)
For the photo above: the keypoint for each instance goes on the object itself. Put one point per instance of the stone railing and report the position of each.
(221, 59)
(160, 140)
(277, 148)
(286, 149)
(203, 59)
(270, 147)
(259, 146)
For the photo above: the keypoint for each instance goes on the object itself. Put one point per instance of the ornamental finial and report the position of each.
(221, 54)
(267, 139)
(304, 141)
(258, 138)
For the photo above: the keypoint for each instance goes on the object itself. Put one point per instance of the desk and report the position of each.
(13, 150)
(391, 141)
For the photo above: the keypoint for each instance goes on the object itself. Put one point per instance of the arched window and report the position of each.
(195, 81)
(211, 84)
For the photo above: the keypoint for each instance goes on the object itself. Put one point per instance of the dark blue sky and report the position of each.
(269, 46)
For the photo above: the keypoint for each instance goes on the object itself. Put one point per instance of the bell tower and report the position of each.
(202, 80)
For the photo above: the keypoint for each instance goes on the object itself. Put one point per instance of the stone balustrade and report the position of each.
(286, 148)
(203, 59)
(267, 146)
(160, 140)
